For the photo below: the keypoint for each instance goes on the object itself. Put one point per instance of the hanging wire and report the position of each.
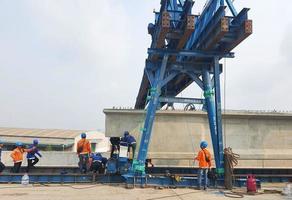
(187, 122)
(224, 103)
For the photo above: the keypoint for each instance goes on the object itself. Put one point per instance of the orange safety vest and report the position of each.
(202, 158)
(17, 155)
(84, 145)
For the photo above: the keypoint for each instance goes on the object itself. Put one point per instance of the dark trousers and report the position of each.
(2, 167)
(113, 149)
(96, 167)
(16, 167)
(31, 163)
(83, 162)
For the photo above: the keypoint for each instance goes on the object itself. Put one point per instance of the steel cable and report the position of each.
(230, 161)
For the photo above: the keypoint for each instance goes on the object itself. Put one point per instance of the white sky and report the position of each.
(63, 61)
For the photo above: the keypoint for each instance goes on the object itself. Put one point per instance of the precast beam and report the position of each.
(245, 31)
(189, 28)
(213, 23)
(163, 30)
(216, 36)
(212, 7)
(158, 40)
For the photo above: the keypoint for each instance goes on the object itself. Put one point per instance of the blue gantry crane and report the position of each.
(187, 48)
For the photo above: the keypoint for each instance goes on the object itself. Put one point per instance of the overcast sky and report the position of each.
(63, 61)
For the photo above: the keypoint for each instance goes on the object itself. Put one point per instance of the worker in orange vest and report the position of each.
(17, 156)
(83, 151)
(204, 158)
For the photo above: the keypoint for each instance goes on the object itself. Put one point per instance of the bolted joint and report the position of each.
(219, 171)
(142, 130)
(153, 91)
(165, 20)
(248, 26)
(208, 93)
(138, 167)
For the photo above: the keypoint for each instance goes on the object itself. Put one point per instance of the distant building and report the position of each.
(53, 139)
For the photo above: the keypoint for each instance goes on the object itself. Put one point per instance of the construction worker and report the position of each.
(17, 156)
(83, 151)
(115, 143)
(2, 166)
(130, 141)
(115, 152)
(32, 159)
(98, 163)
(204, 158)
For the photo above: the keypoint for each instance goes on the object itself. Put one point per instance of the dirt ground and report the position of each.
(106, 192)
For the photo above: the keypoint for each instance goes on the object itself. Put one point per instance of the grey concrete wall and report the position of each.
(50, 158)
(262, 139)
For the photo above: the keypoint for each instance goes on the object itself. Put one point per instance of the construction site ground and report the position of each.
(119, 192)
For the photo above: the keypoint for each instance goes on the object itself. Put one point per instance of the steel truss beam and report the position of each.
(187, 51)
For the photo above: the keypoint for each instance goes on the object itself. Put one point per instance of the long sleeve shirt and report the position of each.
(33, 151)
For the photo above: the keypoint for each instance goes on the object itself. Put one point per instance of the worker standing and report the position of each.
(130, 141)
(17, 156)
(32, 159)
(2, 166)
(83, 151)
(204, 158)
(115, 143)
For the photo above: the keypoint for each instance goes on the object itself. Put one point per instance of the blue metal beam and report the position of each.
(169, 78)
(231, 7)
(197, 80)
(218, 115)
(150, 76)
(202, 21)
(209, 27)
(241, 17)
(139, 164)
(181, 100)
(210, 104)
(190, 53)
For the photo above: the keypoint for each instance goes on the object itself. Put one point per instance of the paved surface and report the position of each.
(104, 192)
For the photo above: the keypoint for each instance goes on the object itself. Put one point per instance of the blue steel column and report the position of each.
(218, 114)
(210, 104)
(150, 116)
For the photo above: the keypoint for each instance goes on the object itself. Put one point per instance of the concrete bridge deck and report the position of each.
(262, 139)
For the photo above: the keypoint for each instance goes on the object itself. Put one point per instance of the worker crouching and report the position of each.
(83, 151)
(98, 163)
(204, 158)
